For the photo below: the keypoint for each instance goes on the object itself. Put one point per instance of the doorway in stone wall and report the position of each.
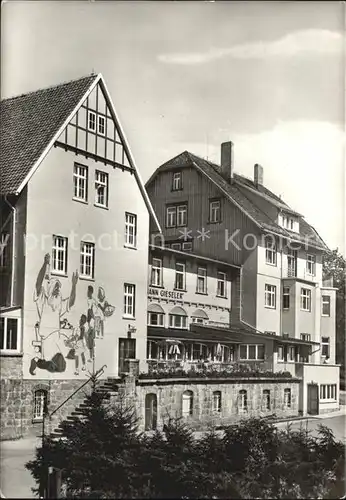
(312, 403)
(150, 412)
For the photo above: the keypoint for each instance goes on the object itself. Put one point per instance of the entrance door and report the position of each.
(312, 399)
(127, 350)
(150, 412)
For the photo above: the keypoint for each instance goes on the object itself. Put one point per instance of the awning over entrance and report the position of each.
(189, 335)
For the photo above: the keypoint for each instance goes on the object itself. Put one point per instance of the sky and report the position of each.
(269, 76)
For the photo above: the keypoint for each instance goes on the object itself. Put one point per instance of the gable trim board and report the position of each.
(98, 80)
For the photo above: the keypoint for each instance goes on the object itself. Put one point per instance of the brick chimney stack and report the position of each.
(227, 160)
(258, 175)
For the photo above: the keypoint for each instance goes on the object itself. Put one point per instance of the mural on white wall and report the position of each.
(57, 340)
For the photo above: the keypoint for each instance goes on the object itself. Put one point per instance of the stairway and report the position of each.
(108, 388)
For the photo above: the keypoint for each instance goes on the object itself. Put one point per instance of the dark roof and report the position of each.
(29, 122)
(237, 192)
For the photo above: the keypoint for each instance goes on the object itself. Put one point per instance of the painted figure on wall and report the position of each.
(52, 328)
(78, 345)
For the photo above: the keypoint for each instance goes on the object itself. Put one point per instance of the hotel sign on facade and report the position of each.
(165, 294)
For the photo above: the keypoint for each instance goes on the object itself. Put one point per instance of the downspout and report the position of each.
(13, 209)
(281, 290)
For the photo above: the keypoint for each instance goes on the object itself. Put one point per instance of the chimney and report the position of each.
(258, 175)
(227, 160)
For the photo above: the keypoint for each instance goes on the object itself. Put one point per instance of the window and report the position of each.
(270, 253)
(101, 189)
(280, 353)
(291, 353)
(221, 284)
(242, 401)
(200, 321)
(171, 216)
(92, 121)
(325, 347)
(187, 246)
(177, 183)
(155, 319)
(40, 404)
(101, 125)
(201, 280)
(59, 264)
(187, 403)
(270, 296)
(130, 230)
(217, 402)
(215, 211)
(156, 272)
(80, 182)
(287, 398)
(325, 305)
(286, 297)
(9, 334)
(288, 222)
(291, 263)
(129, 300)
(177, 321)
(152, 350)
(328, 391)
(176, 246)
(305, 299)
(4, 249)
(251, 351)
(179, 276)
(176, 216)
(182, 215)
(266, 399)
(305, 336)
(310, 264)
(87, 260)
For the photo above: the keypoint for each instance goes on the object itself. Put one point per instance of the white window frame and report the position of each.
(305, 336)
(287, 398)
(180, 272)
(311, 264)
(221, 283)
(60, 247)
(101, 181)
(177, 184)
(92, 121)
(101, 125)
(199, 321)
(187, 246)
(288, 222)
(325, 342)
(266, 400)
(40, 403)
(178, 321)
(214, 211)
(129, 300)
(270, 296)
(4, 247)
(305, 299)
(328, 392)
(17, 349)
(201, 280)
(156, 272)
(160, 319)
(292, 257)
(281, 352)
(87, 259)
(188, 397)
(80, 182)
(171, 216)
(130, 230)
(326, 302)
(286, 294)
(247, 356)
(217, 402)
(181, 215)
(271, 254)
(242, 401)
(150, 344)
(176, 246)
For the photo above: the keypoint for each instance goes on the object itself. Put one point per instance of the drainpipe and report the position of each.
(281, 290)
(13, 209)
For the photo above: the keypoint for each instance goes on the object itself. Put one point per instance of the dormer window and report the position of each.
(289, 222)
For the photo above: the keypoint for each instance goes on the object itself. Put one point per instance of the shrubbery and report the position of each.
(105, 457)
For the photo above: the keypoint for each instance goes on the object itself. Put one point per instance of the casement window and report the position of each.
(101, 125)
(242, 401)
(325, 305)
(251, 351)
(179, 276)
(59, 254)
(311, 264)
(287, 398)
(4, 249)
(87, 260)
(291, 263)
(328, 392)
(270, 253)
(305, 336)
(270, 296)
(176, 246)
(92, 121)
(187, 403)
(286, 297)
(176, 215)
(177, 321)
(101, 189)
(266, 403)
(216, 402)
(80, 182)
(156, 272)
(40, 404)
(155, 319)
(221, 287)
(129, 300)
(187, 246)
(305, 299)
(288, 222)
(201, 280)
(130, 230)
(325, 346)
(177, 181)
(181, 215)
(215, 211)
(171, 216)
(9, 334)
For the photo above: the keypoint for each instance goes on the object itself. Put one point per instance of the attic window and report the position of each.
(92, 121)
(289, 222)
(101, 125)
